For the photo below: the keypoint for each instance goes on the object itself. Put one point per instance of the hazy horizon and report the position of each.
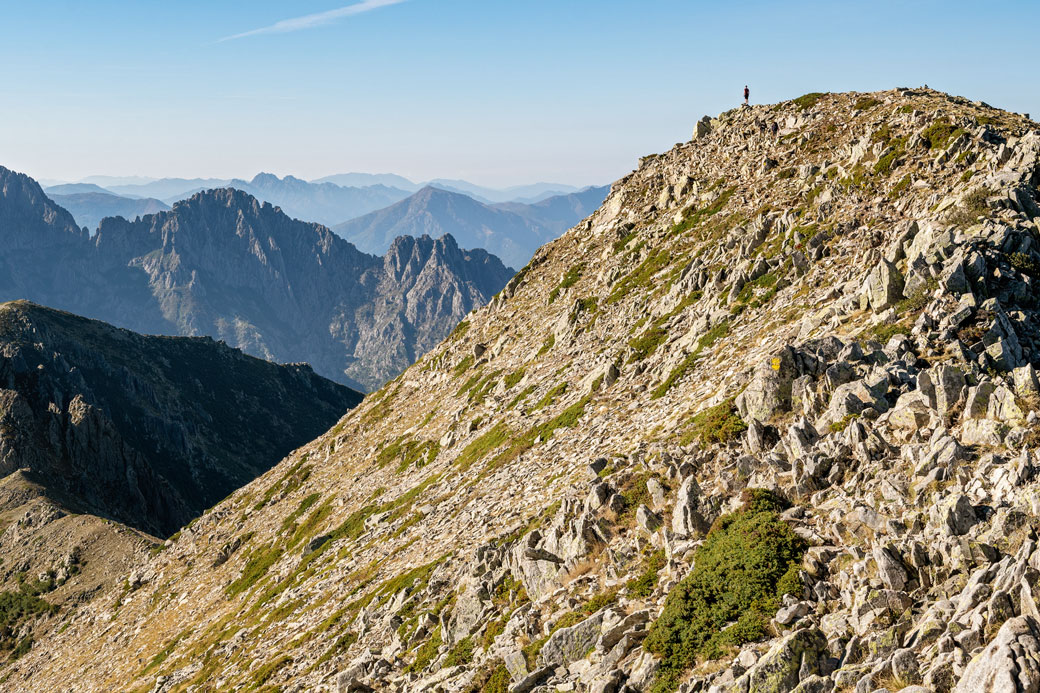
(496, 94)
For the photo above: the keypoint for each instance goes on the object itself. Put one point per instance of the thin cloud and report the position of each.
(312, 20)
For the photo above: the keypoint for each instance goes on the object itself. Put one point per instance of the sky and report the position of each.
(496, 92)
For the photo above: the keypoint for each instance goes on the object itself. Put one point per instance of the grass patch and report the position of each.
(569, 279)
(643, 586)
(939, 134)
(257, 565)
(748, 561)
(461, 654)
(476, 450)
(426, 653)
(706, 340)
(550, 397)
(865, 103)
(513, 378)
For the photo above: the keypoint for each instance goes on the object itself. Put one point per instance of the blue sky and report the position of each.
(495, 92)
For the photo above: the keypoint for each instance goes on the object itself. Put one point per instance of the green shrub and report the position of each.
(1024, 263)
(865, 103)
(940, 133)
(643, 586)
(499, 681)
(738, 575)
(600, 600)
(462, 653)
(843, 423)
(718, 424)
(808, 100)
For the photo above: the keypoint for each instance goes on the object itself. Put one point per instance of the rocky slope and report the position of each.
(764, 422)
(224, 265)
(149, 431)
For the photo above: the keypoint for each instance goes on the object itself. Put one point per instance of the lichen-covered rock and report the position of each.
(1009, 664)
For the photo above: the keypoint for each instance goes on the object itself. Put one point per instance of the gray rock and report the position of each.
(769, 391)
(687, 517)
(795, 656)
(572, 643)
(647, 519)
(1009, 664)
(890, 568)
(883, 288)
(955, 515)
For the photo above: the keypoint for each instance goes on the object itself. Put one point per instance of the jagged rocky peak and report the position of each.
(763, 422)
(222, 263)
(28, 218)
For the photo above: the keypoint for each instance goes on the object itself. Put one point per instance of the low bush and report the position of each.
(749, 559)
(718, 424)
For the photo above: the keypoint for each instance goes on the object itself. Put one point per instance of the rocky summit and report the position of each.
(764, 422)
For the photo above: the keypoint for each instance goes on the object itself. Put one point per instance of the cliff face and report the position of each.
(149, 431)
(224, 265)
(765, 421)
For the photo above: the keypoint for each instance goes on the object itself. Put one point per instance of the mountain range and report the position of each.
(512, 231)
(766, 422)
(89, 208)
(223, 264)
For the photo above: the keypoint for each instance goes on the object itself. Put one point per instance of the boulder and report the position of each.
(890, 568)
(572, 643)
(769, 391)
(688, 518)
(955, 515)
(1009, 664)
(781, 669)
(883, 288)
(942, 385)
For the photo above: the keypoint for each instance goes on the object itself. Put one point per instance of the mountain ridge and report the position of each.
(762, 422)
(512, 231)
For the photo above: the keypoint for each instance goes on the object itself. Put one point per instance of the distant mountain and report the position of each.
(325, 203)
(363, 180)
(223, 264)
(89, 208)
(149, 431)
(528, 193)
(75, 189)
(167, 189)
(105, 181)
(512, 233)
(560, 212)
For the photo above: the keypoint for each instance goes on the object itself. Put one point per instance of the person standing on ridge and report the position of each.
(747, 93)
